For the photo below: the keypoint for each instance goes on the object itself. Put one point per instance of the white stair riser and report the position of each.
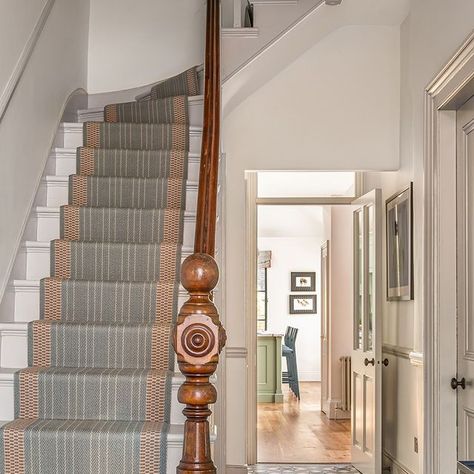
(71, 136)
(196, 114)
(62, 162)
(44, 226)
(22, 303)
(174, 453)
(55, 192)
(33, 262)
(7, 407)
(14, 348)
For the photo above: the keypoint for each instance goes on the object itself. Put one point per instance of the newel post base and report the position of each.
(198, 339)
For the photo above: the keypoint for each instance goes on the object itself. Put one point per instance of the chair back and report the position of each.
(290, 337)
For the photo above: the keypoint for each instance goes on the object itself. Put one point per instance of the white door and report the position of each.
(325, 327)
(367, 330)
(463, 381)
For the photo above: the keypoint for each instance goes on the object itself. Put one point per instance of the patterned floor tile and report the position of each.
(302, 469)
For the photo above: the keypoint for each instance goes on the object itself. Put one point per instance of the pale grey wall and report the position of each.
(57, 67)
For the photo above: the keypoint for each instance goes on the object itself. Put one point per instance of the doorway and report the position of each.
(362, 318)
(303, 410)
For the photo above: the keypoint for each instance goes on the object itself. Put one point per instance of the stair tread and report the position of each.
(8, 374)
(47, 244)
(175, 432)
(75, 427)
(79, 126)
(192, 100)
(101, 345)
(99, 324)
(57, 209)
(65, 179)
(37, 284)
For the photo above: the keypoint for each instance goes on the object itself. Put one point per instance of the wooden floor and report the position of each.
(298, 432)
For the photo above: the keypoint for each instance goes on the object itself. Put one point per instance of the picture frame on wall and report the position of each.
(303, 304)
(399, 221)
(303, 281)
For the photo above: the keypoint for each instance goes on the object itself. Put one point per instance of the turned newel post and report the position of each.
(198, 339)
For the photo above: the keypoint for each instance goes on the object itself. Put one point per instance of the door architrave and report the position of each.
(443, 96)
(251, 206)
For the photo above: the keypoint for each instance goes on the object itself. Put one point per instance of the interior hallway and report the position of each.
(295, 432)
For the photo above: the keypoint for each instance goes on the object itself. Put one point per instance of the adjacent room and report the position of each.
(304, 329)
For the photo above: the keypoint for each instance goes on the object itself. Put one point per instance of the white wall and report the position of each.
(323, 108)
(57, 67)
(336, 107)
(136, 43)
(431, 34)
(295, 255)
(17, 21)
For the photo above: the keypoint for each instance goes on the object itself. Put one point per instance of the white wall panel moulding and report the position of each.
(236, 352)
(416, 359)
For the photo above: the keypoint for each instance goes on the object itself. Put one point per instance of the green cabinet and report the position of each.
(269, 368)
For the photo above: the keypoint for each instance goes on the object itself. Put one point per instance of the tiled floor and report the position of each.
(302, 469)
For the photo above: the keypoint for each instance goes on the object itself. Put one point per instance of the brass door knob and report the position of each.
(368, 362)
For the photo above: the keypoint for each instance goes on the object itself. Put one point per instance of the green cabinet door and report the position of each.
(269, 369)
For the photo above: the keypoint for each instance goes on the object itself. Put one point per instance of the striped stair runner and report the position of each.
(96, 395)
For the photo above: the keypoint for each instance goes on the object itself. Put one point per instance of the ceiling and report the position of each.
(291, 221)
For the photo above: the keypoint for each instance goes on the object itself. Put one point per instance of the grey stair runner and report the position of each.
(96, 395)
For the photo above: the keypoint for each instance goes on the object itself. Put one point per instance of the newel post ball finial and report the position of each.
(198, 338)
(199, 273)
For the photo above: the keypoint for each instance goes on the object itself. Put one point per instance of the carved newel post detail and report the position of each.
(198, 340)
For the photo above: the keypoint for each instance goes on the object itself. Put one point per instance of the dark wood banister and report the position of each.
(205, 236)
(198, 336)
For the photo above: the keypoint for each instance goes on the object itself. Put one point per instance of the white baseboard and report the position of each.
(335, 413)
(394, 466)
(309, 376)
(235, 469)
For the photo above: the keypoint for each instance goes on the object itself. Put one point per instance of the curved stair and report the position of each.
(99, 392)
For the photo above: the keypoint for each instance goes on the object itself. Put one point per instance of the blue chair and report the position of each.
(289, 352)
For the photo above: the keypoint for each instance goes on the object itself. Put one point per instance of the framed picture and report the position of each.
(399, 210)
(303, 304)
(303, 281)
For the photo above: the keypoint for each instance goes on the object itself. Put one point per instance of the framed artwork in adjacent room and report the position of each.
(303, 304)
(399, 209)
(303, 281)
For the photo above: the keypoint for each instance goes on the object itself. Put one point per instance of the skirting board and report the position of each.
(309, 376)
(395, 466)
(335, 413)
(236, 469)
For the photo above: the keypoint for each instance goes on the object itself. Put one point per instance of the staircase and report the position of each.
(273, 18)
(95, 292)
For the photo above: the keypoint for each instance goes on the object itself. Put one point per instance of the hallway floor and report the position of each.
(302, 469)
(298, 432)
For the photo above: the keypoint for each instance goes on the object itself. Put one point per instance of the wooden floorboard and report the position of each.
(298, 432)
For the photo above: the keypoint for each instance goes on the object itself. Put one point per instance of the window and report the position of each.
(262, 299)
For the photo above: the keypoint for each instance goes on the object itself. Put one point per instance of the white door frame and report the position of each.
(448, 91)
(325, 319)
(251, 206)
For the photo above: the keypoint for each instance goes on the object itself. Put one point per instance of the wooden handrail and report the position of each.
(198, 336)
(205, 236)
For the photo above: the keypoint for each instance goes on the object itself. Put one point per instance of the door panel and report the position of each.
(367, 330)
(465, 269)
(358, 409)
